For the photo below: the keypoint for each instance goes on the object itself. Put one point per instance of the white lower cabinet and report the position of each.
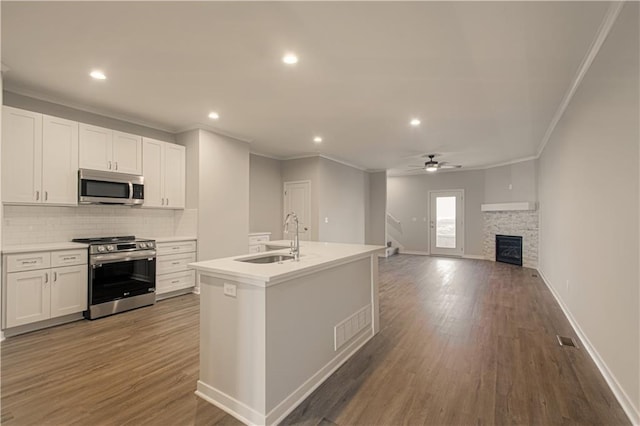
(36, 292)
(257, 241)
(172, 272)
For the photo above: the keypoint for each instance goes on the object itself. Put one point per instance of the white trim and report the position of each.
(228, 404)
(463, 220)
(627, 405)
(262, 154)
(250, 416)
(282, 410)
(505, 207)
(215, 130)
(326, 157)
(474, 256)
(18, 90)
(605, 27)
(414, 252)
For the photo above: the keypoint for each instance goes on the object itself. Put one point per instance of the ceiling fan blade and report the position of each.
(449, 166)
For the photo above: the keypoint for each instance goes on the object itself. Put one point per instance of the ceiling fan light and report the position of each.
(431, 168)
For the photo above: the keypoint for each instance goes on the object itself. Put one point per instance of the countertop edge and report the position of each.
(26, 248)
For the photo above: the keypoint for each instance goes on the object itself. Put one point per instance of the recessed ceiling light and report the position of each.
(214, 115)
(317, 139)
(415, 122)
(98, 75)
(290, 59)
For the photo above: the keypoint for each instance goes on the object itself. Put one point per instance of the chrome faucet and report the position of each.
(295, 244)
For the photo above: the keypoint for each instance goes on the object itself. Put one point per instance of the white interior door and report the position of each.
(297, 199)
(446, 222)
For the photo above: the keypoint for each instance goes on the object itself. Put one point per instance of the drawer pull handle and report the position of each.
(69, 258)
(175, 248)
(29, 262)
(175, 263)
(175, 281)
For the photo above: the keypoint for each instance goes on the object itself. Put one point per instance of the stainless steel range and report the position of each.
(122, 274)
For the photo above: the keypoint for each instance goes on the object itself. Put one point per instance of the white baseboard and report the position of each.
(419, 253)
(627, 405)
(250, 416)
(473, 256)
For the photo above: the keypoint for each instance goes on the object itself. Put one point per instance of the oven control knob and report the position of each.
(100, 249)
(111, 247)
(143, 245)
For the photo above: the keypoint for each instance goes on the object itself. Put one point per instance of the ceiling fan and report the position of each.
(433, 166)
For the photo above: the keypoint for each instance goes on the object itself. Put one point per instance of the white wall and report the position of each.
(376, 217)
(589, 195)
(343, 195)
(511, 183)
(265, 196)
(56, 110)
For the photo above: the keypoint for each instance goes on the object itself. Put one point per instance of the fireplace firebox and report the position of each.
(509, 249)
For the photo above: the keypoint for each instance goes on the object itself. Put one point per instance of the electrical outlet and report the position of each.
(510, 187)
(230, 289)
(326, 220)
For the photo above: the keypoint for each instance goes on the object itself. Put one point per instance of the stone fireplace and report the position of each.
(521, 223)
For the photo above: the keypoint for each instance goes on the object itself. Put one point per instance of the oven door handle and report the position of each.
(114, 258)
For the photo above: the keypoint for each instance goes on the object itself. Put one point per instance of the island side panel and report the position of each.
(301, 316)
(232, 348)
(375, 297)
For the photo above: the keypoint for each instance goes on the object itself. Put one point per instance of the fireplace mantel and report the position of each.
(505, 207)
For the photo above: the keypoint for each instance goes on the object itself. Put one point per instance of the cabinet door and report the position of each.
(152, 156)
(21, 156)
(174, 175)
(127, 153)
(59, 161)
(68, 290)
(28, 297)
(95, 147)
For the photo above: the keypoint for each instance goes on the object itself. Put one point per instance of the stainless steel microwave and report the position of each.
(99, 187)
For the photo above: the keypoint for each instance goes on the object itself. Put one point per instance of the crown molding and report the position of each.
(22, 91)
(603, 31)
(200, 126)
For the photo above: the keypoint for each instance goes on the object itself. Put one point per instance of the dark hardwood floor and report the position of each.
(462, 342)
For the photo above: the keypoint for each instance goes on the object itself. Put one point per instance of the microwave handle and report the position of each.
(130, 191)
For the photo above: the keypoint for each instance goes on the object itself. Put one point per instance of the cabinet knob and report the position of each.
(109, 165)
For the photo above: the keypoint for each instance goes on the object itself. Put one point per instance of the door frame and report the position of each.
(309, 230)
(462, 221)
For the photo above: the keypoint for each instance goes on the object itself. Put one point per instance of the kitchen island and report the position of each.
(271, 333)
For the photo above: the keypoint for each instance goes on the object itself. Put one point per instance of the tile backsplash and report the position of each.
(40, 224)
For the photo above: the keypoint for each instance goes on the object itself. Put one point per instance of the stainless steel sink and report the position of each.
(267, 258)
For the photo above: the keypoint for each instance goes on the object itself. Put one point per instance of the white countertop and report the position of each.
(66, 245)
(313, 256)
(255, 234)
(173, 239)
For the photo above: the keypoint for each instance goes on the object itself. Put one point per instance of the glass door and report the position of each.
(446, 222)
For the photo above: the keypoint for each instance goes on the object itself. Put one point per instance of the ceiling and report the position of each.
(485, 78)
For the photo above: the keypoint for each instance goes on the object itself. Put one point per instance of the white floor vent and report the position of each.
(348, 328)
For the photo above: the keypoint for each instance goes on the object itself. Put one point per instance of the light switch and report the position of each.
(326, 220)
(230, 289)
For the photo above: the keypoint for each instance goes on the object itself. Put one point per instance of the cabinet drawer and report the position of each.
(175, 248)
(174, 263)
(68, 258)
(255, 248)
(257, 239)
(28, 261)
(176, 281)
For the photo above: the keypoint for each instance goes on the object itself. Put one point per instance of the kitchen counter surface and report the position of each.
(173, 239)
(314, 256)
(65, 245)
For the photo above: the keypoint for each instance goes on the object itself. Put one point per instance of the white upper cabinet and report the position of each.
(21, 156)
(174, 175)
(164, 174)
(59, 160)
(39, 158)
(110, 150)
(152, 170)
(127, 153)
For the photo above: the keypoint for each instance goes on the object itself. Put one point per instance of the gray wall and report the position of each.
(408, 201)
(343, 195)
(56, 110)
(589, 195)
(511, 183)
(265, 196)
(377, 212)
(219, 175)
